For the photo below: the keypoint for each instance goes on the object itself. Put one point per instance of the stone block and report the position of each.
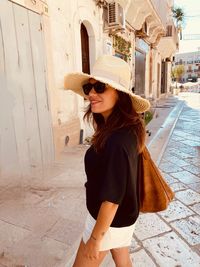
(178, 187)
(170, 250)
(134, 245)
(185, 177)
(169, 167)
(193, 169)
(168, 178)
(149, 225)
(189, 229)
(195, 187)
(142, 259)
(188, 197)
(196, 208)
(176, 210)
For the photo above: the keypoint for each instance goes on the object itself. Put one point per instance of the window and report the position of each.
(169, 30)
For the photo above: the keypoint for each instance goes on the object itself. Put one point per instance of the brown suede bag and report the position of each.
(154, 193)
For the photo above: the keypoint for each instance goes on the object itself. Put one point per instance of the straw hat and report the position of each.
(110, 70)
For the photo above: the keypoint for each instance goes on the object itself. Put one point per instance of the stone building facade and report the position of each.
(191, 63)
(57, 37)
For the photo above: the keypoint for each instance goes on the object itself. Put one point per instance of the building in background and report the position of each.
(191, 63)
(48, 39)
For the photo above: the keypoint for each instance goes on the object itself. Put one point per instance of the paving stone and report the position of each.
(195, 187)
(185, 177)
(185, 135)
(28, 217)
(62, 230)
(196, 208)
(169, 250)
(179, 162)
(181, 154)
(193, 169)
(178, 187)
(168, 178)
(188, 149)
(189, 229)
(176, 210)
(134, 245)
(142, 259)
(188, 197)
(149, 225)
(36, 251)
(177, 138)
(169, 167)
(193, 160)
(191, 142)
(10, 235)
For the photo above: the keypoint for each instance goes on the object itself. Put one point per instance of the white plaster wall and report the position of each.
(156, 60)
(65, 18)
(147, 74)
(169, 67)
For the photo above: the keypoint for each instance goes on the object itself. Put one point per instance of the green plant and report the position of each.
(179, 17)
(148, 116)
(177, 73)
(123, 46)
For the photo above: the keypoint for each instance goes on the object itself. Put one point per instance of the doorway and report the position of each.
(140, 61)
(85, 49)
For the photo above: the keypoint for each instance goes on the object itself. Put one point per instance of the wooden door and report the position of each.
(26, 143)
(158, 79)
(164, 78)
(85, 49)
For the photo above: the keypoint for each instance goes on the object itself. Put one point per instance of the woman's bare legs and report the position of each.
(82, 261)
(121, 257)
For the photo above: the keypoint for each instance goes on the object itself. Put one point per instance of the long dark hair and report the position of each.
(123, 115)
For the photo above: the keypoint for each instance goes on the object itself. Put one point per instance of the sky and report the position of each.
(191, 9)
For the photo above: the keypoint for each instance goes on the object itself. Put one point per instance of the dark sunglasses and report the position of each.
(99, 87)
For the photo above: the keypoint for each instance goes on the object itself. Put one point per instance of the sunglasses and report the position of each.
(99, 87)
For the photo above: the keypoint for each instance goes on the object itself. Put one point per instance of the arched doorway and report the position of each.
(85, 50)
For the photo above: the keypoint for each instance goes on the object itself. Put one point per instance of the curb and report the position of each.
(169, 136)
(159, 142)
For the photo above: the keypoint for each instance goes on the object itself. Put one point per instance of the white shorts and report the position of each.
(115, 237)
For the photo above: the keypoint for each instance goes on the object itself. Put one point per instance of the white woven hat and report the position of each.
(110, 70)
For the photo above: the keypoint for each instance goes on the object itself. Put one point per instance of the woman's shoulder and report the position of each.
(123, 137)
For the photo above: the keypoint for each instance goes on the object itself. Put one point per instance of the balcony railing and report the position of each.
(171, 31)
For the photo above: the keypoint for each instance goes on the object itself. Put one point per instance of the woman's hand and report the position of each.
(92, 249)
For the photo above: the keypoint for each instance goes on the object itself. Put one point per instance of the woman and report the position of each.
(111, 161)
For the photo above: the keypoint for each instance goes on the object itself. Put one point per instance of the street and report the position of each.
(41, 219)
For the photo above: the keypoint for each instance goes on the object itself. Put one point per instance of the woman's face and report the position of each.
(102, 103)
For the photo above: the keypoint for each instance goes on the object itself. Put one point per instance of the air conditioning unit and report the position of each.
(116, 16)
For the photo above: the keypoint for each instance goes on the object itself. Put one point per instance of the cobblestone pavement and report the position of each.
(172, 238)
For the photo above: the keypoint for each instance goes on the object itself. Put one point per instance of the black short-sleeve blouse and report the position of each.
(112, 176)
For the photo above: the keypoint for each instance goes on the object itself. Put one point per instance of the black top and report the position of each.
(112, 176)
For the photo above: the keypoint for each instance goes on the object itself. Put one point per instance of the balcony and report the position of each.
(169, 43)
(161, 8)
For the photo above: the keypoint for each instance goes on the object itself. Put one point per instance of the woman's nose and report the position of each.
(92, 92)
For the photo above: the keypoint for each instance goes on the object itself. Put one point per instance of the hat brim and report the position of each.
(75, 81)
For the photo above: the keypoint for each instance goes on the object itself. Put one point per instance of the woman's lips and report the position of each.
(94, 102)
